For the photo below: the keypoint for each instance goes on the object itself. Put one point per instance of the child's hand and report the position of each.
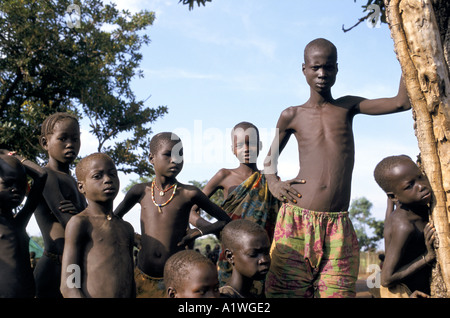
(191, 235)
(283, 190)
(429, 233)
(419, 294)
(66, 206)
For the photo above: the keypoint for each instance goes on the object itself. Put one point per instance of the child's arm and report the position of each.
(72, 263)
(281, 190)
(39, 176)
(132, 197)
(212, 209)
(214, 184)
(54, 198)
(390, 275)
(381, 106)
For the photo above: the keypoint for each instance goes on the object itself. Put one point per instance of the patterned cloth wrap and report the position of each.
(251, 200)
(147, 286)
(314, 254)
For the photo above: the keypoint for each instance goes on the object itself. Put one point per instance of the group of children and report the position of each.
(279, 238)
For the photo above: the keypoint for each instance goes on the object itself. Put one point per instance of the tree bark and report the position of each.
(424, 63)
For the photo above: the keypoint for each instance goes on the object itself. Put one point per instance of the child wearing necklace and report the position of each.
(165, 209)
(246, 246)
(97, 260)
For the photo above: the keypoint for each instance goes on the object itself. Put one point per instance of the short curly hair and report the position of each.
(233, 232)
(81, 168)
(383, 168)
(179, 266)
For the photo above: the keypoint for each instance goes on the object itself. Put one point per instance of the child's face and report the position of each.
(63, 144)
(251, 258)
(168, 160)
(201, 283)
(320, 68)
(409, 185)
(13, 183)
(245, 145)
(101, 182)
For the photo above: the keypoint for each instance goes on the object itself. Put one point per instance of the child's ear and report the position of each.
(171, 292)
(80, 186)
(229, 256)
(260, 146)
(392, 196)
(151, 157)
(303, 68)
(43, 142)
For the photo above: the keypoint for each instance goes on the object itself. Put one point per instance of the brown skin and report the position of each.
(164, 234)
(60, 190)
(202, 282)
(246, 151)
(16, 276)
(409, 238)
(100, 243)
(250, 261)
(323, 130)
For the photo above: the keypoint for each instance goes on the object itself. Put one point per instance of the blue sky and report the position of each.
(240, 60)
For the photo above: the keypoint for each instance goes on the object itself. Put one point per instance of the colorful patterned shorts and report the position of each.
(314, 254)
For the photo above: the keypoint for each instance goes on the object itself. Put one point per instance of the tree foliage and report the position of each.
(77, 57)
(363, 222)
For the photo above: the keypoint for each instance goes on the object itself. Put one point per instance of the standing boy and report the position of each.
(165, 208)
(16, 274)
(408, 237)
(98, 252)
(315, 251)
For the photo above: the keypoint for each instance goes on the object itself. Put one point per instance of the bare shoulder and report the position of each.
(398, 223)
(349, 101)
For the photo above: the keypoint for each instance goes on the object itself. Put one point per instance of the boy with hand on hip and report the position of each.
(315, 251)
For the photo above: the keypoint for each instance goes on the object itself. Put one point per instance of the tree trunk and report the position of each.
(422, 50)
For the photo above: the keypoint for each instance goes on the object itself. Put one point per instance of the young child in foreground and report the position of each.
(98, 250)
(165, 208)
(189, 274)
(16, 275)
(408, 235)
(246, 246)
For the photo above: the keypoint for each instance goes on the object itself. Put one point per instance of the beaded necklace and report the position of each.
(165, 203)
(162, 192)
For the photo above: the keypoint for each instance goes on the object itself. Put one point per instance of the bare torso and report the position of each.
(326, 155)
(161, 232)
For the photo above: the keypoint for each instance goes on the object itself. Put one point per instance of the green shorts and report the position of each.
(314, 254)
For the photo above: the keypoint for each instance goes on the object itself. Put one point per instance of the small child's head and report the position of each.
(60, 136)
(403, 181)
(245, 142)
(246, 246)
(13, 183)
(97, 177)
(189, 274)
(320, 66)
(166, 154)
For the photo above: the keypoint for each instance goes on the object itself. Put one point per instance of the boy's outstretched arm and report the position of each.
(381, 106)
(132, 197)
